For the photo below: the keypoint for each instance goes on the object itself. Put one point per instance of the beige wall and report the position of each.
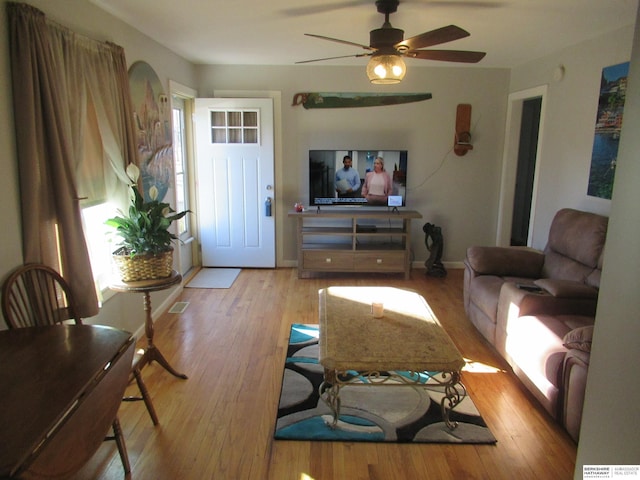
(569, 123)
(458, 193)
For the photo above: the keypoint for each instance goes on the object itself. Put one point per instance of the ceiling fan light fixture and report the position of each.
(386, 69)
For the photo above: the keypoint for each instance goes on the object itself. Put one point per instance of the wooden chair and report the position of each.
(36, 295)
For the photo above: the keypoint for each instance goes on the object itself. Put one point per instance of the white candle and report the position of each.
(377, 309)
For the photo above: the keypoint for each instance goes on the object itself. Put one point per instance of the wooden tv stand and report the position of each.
(354, 240)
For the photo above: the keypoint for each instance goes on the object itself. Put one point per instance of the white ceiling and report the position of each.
(271, 32)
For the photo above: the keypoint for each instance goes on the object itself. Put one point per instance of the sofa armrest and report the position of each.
(574, 383)
(505, 261)
(567, 288)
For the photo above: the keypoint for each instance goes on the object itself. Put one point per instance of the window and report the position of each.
(179, 149)
(100, 242)
(234, 126)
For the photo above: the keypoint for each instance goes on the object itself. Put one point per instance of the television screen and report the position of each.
(358, 177)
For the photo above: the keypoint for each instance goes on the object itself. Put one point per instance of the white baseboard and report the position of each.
(417, 264)
(448, 265)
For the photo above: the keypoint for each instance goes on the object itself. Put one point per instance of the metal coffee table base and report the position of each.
(334, 380)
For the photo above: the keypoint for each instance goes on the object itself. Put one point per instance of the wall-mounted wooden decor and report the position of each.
(462, 140)
(354, 100)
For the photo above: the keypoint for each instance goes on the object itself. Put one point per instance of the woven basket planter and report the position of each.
(143, 267)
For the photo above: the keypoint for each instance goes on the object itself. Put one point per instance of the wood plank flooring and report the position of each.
(219, 423)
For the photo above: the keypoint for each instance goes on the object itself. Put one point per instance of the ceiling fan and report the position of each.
(387, 46)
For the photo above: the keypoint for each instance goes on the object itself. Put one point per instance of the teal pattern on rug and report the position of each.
(371, 413)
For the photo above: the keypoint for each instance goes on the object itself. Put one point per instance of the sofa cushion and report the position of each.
(579, 339)
(557, 265)
(578, 235)
(485, 291)
(534, 345)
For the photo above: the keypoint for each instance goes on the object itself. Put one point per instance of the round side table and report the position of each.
(145, 287)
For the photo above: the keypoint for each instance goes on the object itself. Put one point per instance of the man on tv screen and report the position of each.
(347, 182)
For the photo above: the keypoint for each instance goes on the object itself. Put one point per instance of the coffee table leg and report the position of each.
(455, 392)
(330, 394)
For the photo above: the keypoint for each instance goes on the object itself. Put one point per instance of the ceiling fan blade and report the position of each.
(345, 42)
(341, 56)
(462, 56)
(433, 37)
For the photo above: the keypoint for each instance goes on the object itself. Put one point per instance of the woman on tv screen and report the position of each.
(377, 184)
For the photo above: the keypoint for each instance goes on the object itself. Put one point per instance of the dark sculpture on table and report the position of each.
(434, 243)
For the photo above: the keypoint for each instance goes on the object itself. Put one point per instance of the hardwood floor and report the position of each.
(219, 423)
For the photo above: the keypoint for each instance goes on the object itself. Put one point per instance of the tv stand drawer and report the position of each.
(379, 261)
(327, 260)
(371, 261)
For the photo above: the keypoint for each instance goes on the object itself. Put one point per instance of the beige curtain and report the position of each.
(74, 136)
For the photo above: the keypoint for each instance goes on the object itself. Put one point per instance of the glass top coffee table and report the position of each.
(401, 348)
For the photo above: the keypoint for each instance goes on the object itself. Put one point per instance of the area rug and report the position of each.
(371, 413)
(214, 278)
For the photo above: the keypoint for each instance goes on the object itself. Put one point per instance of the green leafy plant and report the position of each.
(146, 229)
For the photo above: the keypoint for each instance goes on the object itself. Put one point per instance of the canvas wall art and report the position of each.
(613, 89)
(153, 128)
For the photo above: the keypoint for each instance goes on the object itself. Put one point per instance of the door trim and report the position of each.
(510, 162)
(188, 95)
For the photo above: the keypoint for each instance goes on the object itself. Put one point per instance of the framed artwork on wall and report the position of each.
(153, 128)
(613, 89)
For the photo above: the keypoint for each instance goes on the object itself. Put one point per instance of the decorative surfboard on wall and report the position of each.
(354, 100)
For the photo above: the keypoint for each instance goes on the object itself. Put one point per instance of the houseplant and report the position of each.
(145, 247)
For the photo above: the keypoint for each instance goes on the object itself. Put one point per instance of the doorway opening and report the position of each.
(520, 166)
(525, 174)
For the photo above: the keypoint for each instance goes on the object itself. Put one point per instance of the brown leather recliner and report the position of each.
(537, 308)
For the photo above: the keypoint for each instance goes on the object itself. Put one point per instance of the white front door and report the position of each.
(234, 181)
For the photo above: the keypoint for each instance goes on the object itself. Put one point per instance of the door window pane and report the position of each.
(235, 119)
(218, 119)
(250, 119)
(251, 135)
(235, 126)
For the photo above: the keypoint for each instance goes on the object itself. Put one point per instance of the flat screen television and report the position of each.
(330, 184)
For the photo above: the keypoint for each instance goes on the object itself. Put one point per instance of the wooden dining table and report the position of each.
(61, 387)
